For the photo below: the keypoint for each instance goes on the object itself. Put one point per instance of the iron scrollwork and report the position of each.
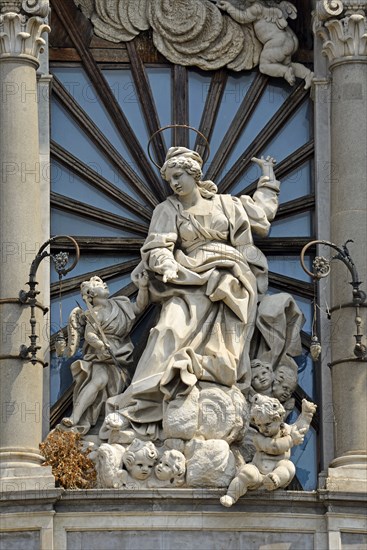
(321, 268)
(29, 297)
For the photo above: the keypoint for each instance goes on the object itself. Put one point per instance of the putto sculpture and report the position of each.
(200, 33)
(279, 42)
(270, 468)
(280, 383)
(107, 351)
(220, 354)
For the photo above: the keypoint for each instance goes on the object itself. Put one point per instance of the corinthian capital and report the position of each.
(33, 7)
(21, 25)
(342, 26)
(325, 9)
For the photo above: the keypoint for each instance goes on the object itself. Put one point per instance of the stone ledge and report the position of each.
(178, 498)
(181, 518)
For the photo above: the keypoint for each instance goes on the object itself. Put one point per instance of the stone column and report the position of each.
(342, 27)
(22, 24)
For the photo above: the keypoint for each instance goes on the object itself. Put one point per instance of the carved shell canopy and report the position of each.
(186, 32)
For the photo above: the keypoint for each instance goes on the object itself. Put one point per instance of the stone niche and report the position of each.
(207, 403)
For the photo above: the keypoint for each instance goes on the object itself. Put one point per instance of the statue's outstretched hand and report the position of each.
(266, 165)
(298, 434)
(308, 407)
(169, 275)
(262, 162)
(143, 280)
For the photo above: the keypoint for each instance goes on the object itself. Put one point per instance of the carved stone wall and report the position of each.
(193, 519)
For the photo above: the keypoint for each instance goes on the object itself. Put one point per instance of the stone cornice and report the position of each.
(40, 8)
(342, 26)
(299, 500)
(21, 30)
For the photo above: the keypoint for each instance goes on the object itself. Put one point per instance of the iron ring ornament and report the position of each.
(321, 268)
(60, 260)
(205, 157)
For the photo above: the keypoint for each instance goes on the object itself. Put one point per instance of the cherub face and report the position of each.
(164, 470)
(142, 466)
(282, 390)
(283, 385)
(262, 378)
(100, 295)
(269, 428)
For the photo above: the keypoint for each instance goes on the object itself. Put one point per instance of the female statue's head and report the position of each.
(184, 158)
(191, 162)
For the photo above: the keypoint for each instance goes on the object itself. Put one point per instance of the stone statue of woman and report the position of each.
(207, 275)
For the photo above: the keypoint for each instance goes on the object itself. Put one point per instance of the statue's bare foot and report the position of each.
(227, 501)
(114, 421)
(271, 482)
(289, 76)
(308, 80)
(67, 421)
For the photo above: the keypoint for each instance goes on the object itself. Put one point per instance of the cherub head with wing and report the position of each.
(94, 290)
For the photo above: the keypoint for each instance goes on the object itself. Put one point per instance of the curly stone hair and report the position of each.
(148, 448)
(88, 288)
(207, 188)
(266, 408)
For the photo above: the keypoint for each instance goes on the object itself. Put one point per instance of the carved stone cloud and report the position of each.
(205, 34)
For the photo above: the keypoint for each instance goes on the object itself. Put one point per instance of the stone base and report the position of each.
(347, 478)
(182, 518)
(38, 478)
(348, 473)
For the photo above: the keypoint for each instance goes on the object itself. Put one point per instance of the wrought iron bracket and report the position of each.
(321, 268)
(29, 297)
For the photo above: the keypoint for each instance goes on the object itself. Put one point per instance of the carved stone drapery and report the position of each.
(342, 26)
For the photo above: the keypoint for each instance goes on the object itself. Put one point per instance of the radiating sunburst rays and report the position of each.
(104, 187)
